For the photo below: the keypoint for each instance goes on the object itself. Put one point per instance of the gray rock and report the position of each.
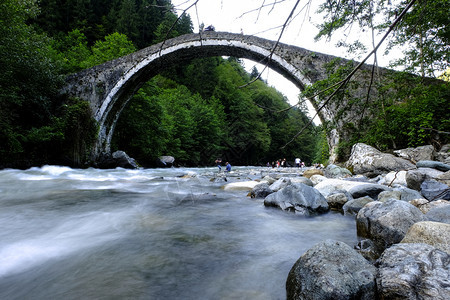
(334, 171)
(433, 164)
(435, 234)
(414, 271)
(414, 179)
(331, 270)
(279, 184)
(352, 207)
(439, 214)
(124, 161)
(444, 154)
(369, 161)
(395, 178)
(415, 154)
(433, 190)
(299, 198)
(261, 190)
(337, 199)
(303, 180)
(386, 223)
(386, 195)
(372, 190)
(407, 194)
(444, 178)
(165, 161)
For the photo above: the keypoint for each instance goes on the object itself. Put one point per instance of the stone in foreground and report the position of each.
(331, 270)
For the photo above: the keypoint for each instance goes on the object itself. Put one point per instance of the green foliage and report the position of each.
(423, 34)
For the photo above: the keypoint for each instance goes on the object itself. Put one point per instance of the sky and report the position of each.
(249, 17)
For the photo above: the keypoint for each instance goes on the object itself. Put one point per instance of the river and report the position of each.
(147, 234)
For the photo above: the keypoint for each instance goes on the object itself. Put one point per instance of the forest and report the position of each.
(195, 112)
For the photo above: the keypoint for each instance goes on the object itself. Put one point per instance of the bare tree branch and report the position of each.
(349, 76)
(174, 23)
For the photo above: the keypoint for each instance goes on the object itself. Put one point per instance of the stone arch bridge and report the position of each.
(109, 86)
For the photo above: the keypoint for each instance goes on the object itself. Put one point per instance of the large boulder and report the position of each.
(165, 161)
(331, 270)
(386, 223)
(280, 183)
(413, 271)
(415, 154)
(369, 161)
(299, 198)
(435, 234)
(124, 161)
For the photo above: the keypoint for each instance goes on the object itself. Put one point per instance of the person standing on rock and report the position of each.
(218, 163)
(297, 162)
(228, 167)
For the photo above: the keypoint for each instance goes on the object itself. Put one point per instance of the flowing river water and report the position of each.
(147, 234)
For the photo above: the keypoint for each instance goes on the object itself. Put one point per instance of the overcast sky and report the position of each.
(246, 16)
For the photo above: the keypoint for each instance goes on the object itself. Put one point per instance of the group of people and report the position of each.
(219, 165)
(282, 163)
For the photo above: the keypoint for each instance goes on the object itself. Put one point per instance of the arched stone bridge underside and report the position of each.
(109, 86)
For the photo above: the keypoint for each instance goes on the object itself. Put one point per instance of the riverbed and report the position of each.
(148, 234)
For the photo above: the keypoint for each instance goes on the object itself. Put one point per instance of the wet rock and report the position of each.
(369, 161)
(435, 234)
(386, 223)
(165, 161)
(261, 190)
(299, 198)
(124, 161)
(413, 271)
(331, 270)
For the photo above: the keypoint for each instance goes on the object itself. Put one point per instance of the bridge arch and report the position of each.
(109, 86)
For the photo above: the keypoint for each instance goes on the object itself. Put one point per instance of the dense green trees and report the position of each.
(210, 117)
